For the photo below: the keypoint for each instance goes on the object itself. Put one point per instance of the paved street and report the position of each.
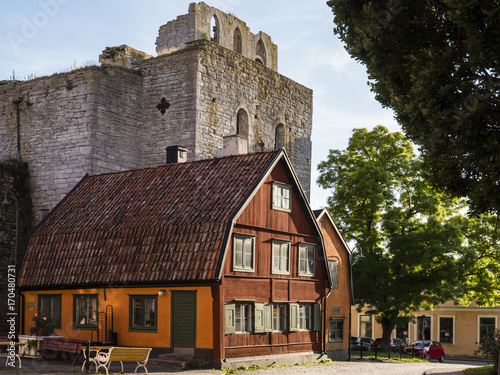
(368, 367)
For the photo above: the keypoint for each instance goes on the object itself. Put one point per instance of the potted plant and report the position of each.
(44, 326)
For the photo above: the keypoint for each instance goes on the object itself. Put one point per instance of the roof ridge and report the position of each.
(186, 162)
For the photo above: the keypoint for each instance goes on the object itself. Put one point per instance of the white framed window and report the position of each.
(306, 259)
(239, 317)
(446, 329)
(365, 325)
(243, 253)
(305, 316)
(282, 197)
(281, 257)
(486, 326)
(336, 333)
(333, 266)
(280, 317)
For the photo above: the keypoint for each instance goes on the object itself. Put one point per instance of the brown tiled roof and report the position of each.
(147, 226)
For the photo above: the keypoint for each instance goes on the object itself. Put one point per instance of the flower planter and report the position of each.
(32, 344)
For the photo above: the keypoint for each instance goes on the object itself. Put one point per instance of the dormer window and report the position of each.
(282, 197)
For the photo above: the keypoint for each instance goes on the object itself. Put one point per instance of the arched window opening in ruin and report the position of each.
(260, 52)
(214, 30)
(242, 123)
(237, 40)
(279, 136)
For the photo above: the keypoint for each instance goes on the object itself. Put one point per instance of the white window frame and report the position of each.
(282, 197)
(417, 330)
(239, 318)
(305, 317)
(333, 268)
(239, 242)
(479, 325)
(307, 264)
(280, 257)
(452, 330)
(280, 312)
(369, 320)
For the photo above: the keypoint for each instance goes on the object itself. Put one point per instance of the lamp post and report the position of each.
(5, 201)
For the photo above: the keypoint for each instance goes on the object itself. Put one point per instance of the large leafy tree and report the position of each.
(417, 249)
(436, 63)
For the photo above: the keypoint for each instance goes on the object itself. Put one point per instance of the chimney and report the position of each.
(176, 154)
(235, 145)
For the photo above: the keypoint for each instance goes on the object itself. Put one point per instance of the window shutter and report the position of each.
(229, 320)
(317, 317)
(268, 317)
(259, 318)
(294, 317)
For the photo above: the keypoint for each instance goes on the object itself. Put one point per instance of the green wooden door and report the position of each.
(183, 319)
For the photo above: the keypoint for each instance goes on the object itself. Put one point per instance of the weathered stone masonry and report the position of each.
(107, 118)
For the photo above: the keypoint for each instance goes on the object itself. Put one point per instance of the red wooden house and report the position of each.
(220, 257)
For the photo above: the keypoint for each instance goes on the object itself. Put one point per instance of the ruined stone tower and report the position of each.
(213, 89)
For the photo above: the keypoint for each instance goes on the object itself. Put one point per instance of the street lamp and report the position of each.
(5, 201)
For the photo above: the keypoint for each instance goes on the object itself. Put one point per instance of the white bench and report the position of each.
(122, 354)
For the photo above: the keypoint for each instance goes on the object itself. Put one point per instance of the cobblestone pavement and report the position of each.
(355, 367)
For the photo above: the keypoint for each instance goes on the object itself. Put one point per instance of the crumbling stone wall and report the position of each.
(85, 121)
(198, 24)
(123, 114)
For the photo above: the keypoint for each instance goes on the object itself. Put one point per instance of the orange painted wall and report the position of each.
(340, 296)
(119, 299)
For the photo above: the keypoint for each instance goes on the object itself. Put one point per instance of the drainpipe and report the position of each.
(324, 319)
(17, 102)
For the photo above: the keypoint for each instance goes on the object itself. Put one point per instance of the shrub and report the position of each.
(490, 348)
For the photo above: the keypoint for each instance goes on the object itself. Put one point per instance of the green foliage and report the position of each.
(435, 63)
(418, 250)
(490, 348)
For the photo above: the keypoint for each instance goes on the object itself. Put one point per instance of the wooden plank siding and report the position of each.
(262, 286)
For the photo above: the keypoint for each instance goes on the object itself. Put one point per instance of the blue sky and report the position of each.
(42, 37)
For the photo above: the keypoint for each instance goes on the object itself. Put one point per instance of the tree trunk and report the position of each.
(387, 328)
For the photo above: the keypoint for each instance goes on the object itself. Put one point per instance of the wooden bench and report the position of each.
(122, 354)
(67, 346)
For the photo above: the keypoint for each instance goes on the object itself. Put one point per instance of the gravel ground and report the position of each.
(369, 367)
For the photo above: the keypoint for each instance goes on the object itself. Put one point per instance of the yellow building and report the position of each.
(458, 328)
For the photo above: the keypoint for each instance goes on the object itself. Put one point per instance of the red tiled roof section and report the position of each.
(143, 226)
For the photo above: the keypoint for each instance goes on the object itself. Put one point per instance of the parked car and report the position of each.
(426, 348)
(396, 344)
(358, 341)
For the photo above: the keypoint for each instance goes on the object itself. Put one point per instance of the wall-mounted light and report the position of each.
(162, 292)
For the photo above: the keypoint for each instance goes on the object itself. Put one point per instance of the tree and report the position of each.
(436, 64)
(418, 250)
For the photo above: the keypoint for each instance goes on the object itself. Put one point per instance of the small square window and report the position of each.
(336, 330)
(50, 306)
(143, 313)
(243, 253)
(306, 260)
(282, 197)
(85, 310)
(281, 257)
